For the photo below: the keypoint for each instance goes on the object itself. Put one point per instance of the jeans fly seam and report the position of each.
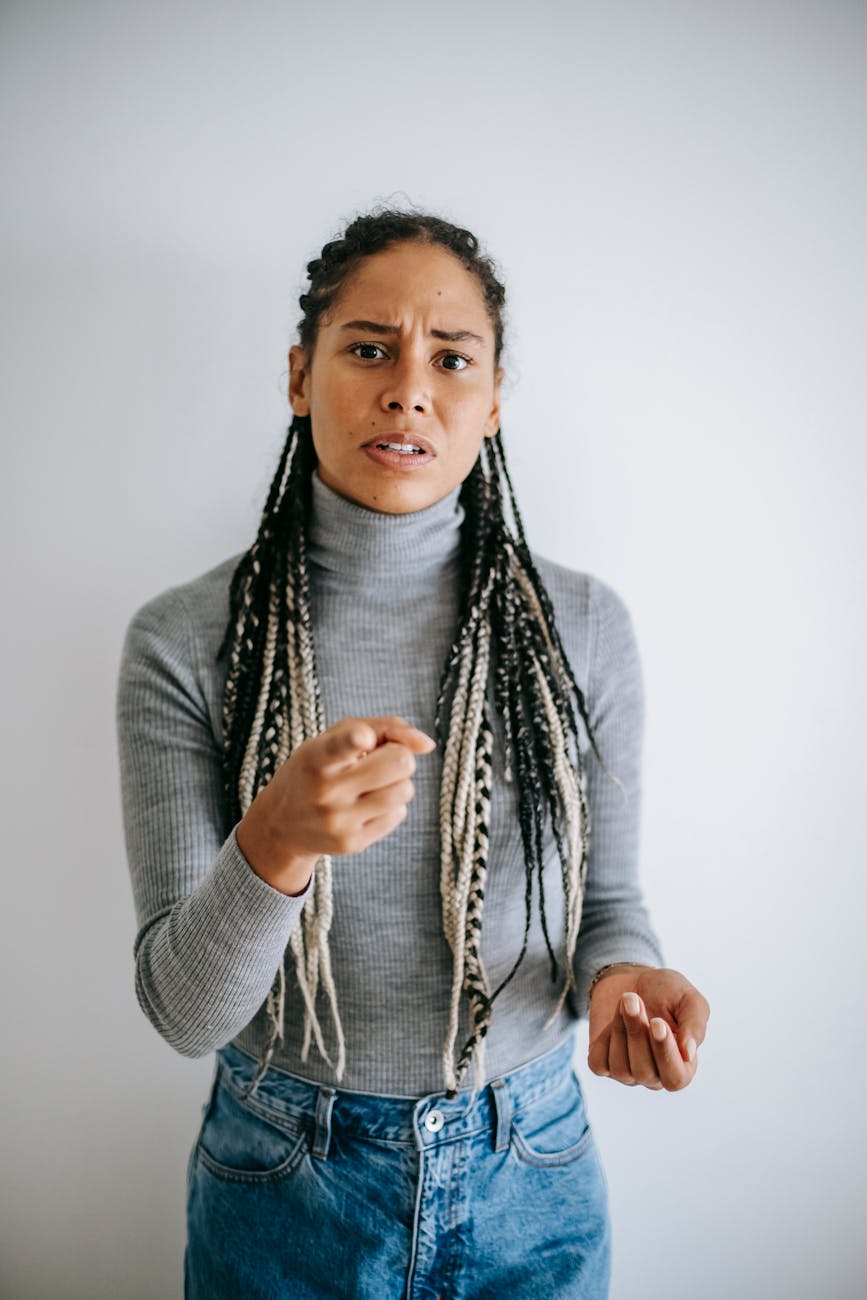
(413, 1255)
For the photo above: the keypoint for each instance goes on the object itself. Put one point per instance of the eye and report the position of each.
(455, 361)
(367, 351)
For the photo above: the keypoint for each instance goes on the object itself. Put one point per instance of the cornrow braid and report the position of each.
(506, 661)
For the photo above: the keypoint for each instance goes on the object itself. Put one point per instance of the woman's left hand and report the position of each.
(646, 1025)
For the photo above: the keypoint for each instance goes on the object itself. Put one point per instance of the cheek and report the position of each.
(470, 420)
(327, 414)
(340, 407)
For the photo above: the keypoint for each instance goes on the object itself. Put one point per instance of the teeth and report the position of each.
(405, 448)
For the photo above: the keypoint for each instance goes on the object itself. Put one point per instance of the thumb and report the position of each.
(692, 1018)
(687, 1044)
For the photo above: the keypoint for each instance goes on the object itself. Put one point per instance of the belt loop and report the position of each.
(322, 1136)
(503, 1104)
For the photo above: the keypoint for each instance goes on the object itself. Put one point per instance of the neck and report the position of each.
(365, 544)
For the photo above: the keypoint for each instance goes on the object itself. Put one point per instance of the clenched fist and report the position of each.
(337, 793)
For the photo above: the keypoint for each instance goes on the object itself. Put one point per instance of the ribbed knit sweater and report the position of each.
(211, 933)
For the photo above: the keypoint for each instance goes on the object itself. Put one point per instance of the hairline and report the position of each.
(423, 236)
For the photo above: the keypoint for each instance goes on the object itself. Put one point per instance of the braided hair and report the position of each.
(507, 659)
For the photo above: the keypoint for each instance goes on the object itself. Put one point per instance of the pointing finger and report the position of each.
(402, 733)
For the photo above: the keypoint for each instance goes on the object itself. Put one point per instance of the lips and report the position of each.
(401, 438)
(391, 451)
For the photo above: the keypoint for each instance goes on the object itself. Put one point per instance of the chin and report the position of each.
(400, 502)
(393, 497)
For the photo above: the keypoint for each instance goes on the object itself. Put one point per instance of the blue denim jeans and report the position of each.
(307, 1191)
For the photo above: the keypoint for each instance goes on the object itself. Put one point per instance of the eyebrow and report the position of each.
(448, 336)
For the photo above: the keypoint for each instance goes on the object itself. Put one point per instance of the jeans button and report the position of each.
(433, 1121)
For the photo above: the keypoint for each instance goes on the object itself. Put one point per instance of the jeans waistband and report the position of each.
(435, 1118)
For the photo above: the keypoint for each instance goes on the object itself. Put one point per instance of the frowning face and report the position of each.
(401, 387)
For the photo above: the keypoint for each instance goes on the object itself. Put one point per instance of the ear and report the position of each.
(492, 423)
(299, 380)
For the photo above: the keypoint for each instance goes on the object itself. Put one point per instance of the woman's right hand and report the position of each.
(335, 794)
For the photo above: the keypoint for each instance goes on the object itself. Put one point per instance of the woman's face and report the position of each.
(401, 386)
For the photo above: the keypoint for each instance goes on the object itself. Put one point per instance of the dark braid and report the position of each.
(507, 654)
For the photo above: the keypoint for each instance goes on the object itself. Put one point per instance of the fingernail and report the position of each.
(690, 1049)
(658, 1028)
(630, 1002)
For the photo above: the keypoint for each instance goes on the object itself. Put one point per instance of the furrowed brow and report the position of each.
(370, 327)
(458, 336)
(447, 336)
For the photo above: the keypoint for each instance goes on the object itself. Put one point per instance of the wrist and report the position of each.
(289, 873)
(615, 968)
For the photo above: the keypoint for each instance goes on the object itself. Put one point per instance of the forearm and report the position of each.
(204, 967)
(615, 924)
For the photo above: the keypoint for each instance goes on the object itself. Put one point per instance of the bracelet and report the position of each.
(604, 969)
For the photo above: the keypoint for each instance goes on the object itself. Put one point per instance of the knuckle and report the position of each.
(342, 820)
(333, 832)
(360, 736)
(320, 801)
(349, 838)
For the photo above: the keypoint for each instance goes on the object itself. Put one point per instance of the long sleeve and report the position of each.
(615, 925)
(211, 933)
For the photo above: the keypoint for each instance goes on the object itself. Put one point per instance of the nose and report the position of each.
(405, 388)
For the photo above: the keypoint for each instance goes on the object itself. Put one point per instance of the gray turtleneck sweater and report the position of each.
(384, 593)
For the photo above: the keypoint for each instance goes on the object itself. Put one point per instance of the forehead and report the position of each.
(413, 278)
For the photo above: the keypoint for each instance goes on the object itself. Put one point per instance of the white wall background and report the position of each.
(676, 193)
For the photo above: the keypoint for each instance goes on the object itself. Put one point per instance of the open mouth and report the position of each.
(401, 452)
(402, 448)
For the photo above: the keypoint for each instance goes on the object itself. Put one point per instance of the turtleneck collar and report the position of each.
(358, 543)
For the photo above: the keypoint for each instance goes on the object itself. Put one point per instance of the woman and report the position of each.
(360, 770)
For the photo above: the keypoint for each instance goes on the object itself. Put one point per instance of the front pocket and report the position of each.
(554, 1130)
(239, 1146)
